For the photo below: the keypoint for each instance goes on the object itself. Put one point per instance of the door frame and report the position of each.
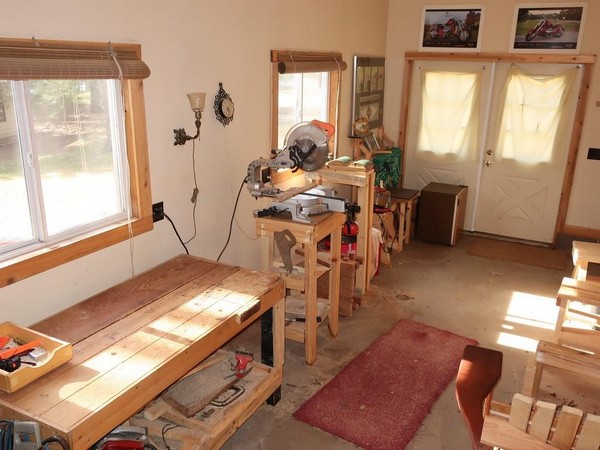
(586, 61)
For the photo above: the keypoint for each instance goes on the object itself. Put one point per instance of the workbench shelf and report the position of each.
(212, 426)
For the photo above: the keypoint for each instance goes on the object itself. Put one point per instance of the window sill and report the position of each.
(33, 263)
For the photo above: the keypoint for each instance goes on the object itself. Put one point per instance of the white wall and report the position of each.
(191, 45)
(403, 33)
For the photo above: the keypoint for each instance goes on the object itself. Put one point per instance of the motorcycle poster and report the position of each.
(552, 27)
(455, 29)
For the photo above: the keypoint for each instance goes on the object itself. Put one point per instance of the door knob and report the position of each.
(490, 152)
(487, 163)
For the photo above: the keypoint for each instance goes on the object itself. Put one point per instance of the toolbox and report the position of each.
(57, 352)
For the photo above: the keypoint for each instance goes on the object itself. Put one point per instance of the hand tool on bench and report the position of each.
(19, 350)
(240, 366)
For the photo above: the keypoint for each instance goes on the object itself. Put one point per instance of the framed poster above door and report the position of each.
(451, 29)
(553, 27)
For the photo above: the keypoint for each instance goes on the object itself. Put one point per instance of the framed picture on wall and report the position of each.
(552, 27)
(367, 95)
(451, 29)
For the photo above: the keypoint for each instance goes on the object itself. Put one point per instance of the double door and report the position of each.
(503, 130)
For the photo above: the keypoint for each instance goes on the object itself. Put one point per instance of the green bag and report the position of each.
(387, 168)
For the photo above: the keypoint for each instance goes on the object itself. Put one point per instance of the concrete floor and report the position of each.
(503, 305)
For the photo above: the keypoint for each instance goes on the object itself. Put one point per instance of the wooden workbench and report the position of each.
(136, 339)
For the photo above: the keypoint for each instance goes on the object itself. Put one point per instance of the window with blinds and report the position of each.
(306, 86)
(73, 153)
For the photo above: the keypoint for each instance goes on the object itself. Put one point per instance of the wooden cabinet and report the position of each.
(136, 339)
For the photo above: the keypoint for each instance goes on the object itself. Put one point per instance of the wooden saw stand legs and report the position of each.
(304, 276)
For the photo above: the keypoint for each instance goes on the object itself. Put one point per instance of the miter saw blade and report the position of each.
(305, 136)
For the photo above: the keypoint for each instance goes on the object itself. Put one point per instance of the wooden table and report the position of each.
(364, 183)
(136, 339)
(308, 235)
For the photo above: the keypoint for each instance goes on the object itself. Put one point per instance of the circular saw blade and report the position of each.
(312, 141)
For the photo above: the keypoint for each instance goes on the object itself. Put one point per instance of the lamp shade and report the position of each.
(197, 100)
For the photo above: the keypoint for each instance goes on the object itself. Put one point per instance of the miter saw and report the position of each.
(305, 148)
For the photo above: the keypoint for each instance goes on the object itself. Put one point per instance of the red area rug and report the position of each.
(379, 400)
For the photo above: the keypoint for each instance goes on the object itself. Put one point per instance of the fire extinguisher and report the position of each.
(350, 230)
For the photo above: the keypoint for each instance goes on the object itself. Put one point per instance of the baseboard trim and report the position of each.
(583, 232)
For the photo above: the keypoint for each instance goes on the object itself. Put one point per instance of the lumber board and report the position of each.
(520, 410)
(155, 409)
(89, 316)
(191, 394)
(589, 438)
(541, 421)
(566, 428)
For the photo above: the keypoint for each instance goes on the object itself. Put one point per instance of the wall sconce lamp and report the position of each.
(197, 101)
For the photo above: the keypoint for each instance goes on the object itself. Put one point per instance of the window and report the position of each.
(302, 97)
(448, 119)
(73, 152)
(305, 87)
(534, 116)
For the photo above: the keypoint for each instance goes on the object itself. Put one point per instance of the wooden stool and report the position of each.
(583, 254)
(405, 202)
(564, 358)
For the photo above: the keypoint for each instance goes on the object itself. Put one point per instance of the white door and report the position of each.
(456, 142)
(444, 139)
(526, 152)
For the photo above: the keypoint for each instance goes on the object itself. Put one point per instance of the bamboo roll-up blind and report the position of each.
(56, 60)
(304, 62)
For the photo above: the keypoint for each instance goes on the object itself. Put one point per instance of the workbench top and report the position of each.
(136, 339)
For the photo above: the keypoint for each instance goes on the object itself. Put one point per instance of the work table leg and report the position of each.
(310, 303)
(334, 281)
(272, 342)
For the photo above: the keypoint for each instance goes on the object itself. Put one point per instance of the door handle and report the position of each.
(487, 163)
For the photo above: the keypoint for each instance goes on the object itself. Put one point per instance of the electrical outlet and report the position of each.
(158, 212)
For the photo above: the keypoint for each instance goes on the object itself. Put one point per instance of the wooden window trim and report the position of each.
(40, 260)
(587, 64)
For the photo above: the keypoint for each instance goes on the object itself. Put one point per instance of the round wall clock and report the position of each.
(223, 106)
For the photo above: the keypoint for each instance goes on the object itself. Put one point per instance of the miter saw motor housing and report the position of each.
(305, 148)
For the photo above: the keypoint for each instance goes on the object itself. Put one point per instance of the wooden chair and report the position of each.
(478, 373)
(537, 425)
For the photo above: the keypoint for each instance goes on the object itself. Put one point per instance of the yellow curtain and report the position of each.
(532, 120)
(449, 119)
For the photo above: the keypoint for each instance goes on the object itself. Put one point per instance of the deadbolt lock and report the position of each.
(490, 152)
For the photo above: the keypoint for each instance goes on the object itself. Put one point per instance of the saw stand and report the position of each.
(305, 274)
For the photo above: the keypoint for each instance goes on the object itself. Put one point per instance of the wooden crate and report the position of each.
(59, 352)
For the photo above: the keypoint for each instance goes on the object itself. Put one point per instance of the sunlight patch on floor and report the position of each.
(531, 311)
